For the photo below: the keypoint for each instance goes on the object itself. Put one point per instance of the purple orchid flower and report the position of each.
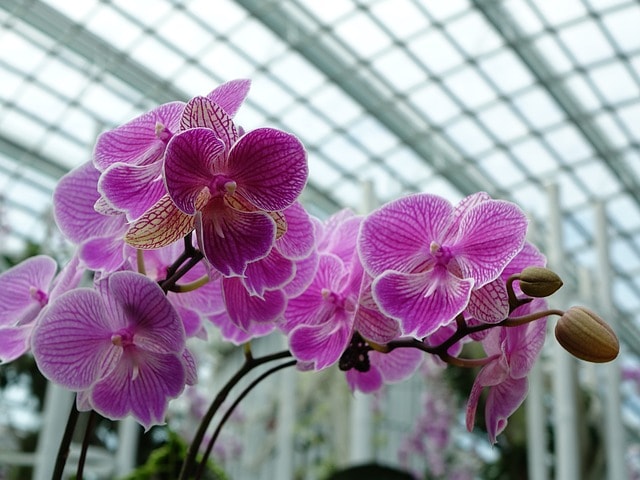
(426, 256)
(131, 156)
(512, 351)
(27, 289)
(121, 346)
(320, 321)
(232, 193)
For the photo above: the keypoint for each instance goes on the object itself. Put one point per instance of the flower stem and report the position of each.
(65, 443)
(91, 422)
(249, 364)
(230, 410)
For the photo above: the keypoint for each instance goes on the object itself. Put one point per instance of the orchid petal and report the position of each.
(422, 302)
(190, 165)
(230, 239)
(366, 382)
(321, 344)
(269, 273)
(397, 236)
(244, 309)
(305, 270)
(160, 226)
(230, 95)
(73, 201)
(139, 141)
(490, 303)
(398, 364)
(132, 188)
(270, 168)
(141, 386)
(14, 342)
(233, 333)
(502, 401)
(299, 239)
(490, 235)
(202, 112)
(103, 253)
(84, 353)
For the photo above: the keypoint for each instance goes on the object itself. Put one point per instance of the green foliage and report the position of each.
(164, 463)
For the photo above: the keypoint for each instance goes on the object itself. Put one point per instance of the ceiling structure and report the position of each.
(450, 97)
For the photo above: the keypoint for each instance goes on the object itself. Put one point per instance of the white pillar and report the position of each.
(537, 455)
(614, 430)
(286, 423)
(57, 405)
(128, 435)
(567, 459)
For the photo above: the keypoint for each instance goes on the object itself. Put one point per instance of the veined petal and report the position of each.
(230, 239)
(73, 202)
(502, 401)
(142, 303)
(233, 333)
(202, 112)
(160, 226)
(230, 95)
(305, 270)
(270, 168)
(132, 188)
(490, 303)
(106, 254)
(321, 344)
(398, 364)
(244, 309)
(299, 239)
(422, 302)
(190, 165)
(24, 289)
(270, 273)
(366, 382)
(139, 141)
(398, 235)
(14, 342)
(72, 340)
(141, 385)
(490, 235)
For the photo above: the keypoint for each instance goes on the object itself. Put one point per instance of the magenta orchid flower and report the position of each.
(27, 289)
(131, 156)
(232, 193)
(426, 256)
(512, 352)
(320, 321)
(121, 346)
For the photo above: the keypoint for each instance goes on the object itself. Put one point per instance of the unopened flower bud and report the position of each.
(539, 282)
(585, 335)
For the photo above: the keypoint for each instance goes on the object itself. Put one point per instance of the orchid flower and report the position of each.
(121, 346)
(426, 256)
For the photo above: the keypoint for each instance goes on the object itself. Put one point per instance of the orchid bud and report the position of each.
(585, 335)
(539, 282)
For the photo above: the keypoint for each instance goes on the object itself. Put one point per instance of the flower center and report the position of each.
(346, 303)
(162, 132)
(222, 185)
(122, 338)
(442, 255)
(39, 296)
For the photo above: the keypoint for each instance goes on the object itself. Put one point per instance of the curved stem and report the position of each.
(249, 364)
(85, 444)
(63, 451)
(188, 287)
(230, 410)
(170, 281)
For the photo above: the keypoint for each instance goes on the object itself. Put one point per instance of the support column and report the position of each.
(615, 443)
(567, 443)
